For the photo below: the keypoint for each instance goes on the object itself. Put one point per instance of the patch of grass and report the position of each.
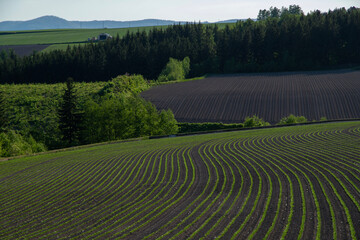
(62, 36)
(156, 83)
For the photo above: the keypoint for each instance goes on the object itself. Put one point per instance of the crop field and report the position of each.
(48, 40)
(58, 36)
(300, 182)
(59, 39)
(24, 50)
(271, 96)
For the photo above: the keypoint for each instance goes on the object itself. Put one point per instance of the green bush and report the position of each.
(292, 119)
(255, 121)
(175, 70)
(125, 83)
(122, 117)
(14, 144)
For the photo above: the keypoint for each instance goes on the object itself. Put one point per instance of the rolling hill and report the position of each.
(297, 182)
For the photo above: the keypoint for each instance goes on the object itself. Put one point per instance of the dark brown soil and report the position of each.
(24, 50)
(271, 96)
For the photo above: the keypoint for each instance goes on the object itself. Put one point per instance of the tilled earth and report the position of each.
(271, 96)
(24, 50)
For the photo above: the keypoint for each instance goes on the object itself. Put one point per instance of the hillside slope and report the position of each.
(293, 183)
(271, 96)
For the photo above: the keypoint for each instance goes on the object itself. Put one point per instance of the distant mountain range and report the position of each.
(53, 22)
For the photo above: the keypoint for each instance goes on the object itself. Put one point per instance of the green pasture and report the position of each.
(61, 38)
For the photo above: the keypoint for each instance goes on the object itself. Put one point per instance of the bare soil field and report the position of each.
(24, 50)
(298, 182)
(271, 96)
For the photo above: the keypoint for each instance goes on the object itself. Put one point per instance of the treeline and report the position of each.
(280, 40)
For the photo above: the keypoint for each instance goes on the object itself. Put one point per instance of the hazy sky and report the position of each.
(123, 10)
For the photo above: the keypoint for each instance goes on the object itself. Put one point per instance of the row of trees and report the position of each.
(278, 41)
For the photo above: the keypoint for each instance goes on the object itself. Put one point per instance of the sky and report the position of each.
(179, 10)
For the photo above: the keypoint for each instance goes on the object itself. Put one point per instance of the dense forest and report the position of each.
(281, 39)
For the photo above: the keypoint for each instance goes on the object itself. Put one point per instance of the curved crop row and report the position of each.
(289, 183)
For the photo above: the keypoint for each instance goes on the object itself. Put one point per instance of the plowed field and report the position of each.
(299, 182)
(24, 50)
(272, 96)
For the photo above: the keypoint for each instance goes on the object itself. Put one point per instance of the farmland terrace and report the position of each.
(271, 96)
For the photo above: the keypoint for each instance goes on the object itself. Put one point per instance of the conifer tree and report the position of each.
(70, 116)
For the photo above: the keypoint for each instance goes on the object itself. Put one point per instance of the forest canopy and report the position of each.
(281, 40)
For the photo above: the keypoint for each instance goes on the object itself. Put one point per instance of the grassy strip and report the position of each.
(155, 83)
(206, 127)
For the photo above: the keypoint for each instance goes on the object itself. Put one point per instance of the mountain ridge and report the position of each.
(54, 22)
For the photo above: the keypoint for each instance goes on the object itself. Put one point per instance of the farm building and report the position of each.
(101, 37)
(104, 36)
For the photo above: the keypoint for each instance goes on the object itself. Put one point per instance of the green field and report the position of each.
(300, 182)
(60, 39)
(60, 36)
